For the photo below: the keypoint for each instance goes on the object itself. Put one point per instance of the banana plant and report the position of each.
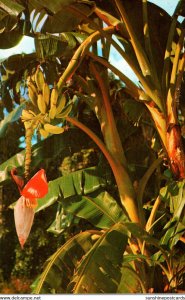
(123, 249)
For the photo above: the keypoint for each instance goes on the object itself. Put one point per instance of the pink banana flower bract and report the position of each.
(36, 188)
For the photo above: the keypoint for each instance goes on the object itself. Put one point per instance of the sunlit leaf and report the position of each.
(99, 208)
(77, 183)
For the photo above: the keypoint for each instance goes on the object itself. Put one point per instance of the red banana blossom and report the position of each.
(36, 187)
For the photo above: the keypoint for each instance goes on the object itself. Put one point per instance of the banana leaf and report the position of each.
(61, 16)
(10, 39)
(99, 271)
(173, 194)
(61, 265)
(81, 182)
(130, 281)
(99, 208)
(173, 230)
(48, 45)
(63, 221)
(11, 7)
(141, 234)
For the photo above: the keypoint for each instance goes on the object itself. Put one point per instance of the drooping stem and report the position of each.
(124, 184)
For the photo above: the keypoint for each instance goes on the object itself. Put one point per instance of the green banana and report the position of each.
(53, 102)
(52, 112)
(61, 104)
(26, 115)
(43, 133)
(39, 79)
(46, 93)
(53, 129)
(32, 112)
(32, 93)
(54, 97)
(41, 104)
(65, 112)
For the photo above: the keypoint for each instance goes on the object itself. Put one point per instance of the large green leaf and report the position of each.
(10, 118)
(11, 7)
(17, 62)
(99, 270)
(10, 39)
(174, 230)
(53, 6)
(63, 16)
(99, 208)
(130, 281)
(62, 264)
(48, 45)
(174, 195)
(7, 23)
(81, 182)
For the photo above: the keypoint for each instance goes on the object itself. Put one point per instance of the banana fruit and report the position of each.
(65, 112)
(53, 103)
(46, 93)
(43, 133)
(39, 79)
(61, 103)
(41, 104)
(27, 115)
(50, 104)
(32, 93)
(53, 129)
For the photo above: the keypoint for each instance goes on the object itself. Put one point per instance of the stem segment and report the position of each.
(124, 184)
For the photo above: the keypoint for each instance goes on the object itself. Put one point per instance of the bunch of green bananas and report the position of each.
(49, 103)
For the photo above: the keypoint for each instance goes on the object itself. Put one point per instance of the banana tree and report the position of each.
(118, 257)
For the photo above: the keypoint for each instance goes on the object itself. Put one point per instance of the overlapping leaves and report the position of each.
(96, 259)
(61, 265)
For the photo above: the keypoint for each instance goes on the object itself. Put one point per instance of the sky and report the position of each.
(27, 44)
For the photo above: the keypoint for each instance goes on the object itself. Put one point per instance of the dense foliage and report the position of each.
(113, 218)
